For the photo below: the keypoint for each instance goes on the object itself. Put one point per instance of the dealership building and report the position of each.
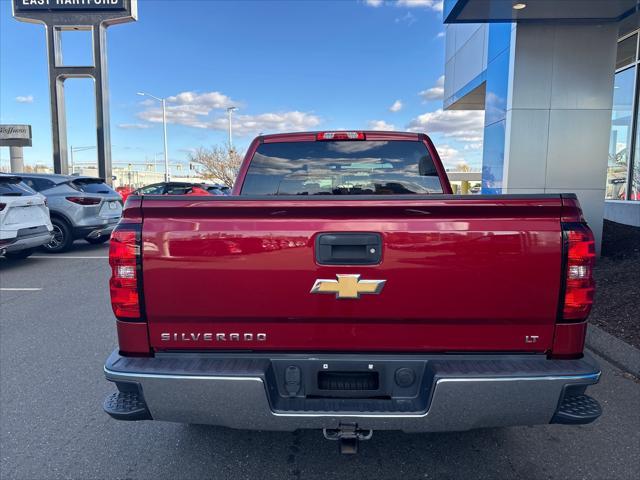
(558, 82)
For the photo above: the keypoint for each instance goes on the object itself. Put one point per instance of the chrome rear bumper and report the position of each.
(460, 392)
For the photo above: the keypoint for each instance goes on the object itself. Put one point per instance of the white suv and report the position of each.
(24, 218)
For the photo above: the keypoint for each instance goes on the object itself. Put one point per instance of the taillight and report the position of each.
(85, 200)
(580, 254)
(124, 258)
(340, 136)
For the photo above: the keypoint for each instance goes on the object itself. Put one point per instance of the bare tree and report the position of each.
(463, 167)
(219, 164)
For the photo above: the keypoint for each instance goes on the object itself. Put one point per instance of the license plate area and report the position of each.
(111, 209)
(331, 378)
(349, 381)
(23, 214)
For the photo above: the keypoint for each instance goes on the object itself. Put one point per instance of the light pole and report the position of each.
(167, 173)
(73, 149)
(230, 110)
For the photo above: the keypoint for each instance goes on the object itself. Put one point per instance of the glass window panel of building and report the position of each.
(623, 167)
(634, 194)
(626, 54)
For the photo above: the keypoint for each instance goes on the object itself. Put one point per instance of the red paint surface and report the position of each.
(569, 339)
(473, 274)
(461, 274)
(133, 337)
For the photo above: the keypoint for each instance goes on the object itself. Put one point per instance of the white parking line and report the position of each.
(66, 256)
(20, 289)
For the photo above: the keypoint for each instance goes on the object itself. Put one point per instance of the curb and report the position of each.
(616, 351)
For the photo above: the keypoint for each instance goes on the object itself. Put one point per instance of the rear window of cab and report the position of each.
(342, 168)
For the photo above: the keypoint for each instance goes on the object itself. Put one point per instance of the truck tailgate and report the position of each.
(461, 273)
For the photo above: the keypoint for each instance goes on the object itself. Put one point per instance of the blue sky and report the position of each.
(286, 65)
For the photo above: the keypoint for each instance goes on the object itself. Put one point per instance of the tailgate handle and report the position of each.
(348, 248)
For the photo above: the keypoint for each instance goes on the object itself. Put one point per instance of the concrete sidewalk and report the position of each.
(616, 351)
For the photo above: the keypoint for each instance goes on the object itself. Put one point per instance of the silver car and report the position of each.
(80, 207)
(24, 218)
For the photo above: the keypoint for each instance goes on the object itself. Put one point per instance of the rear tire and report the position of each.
(62, 237)
(99, 240)
(19, 255)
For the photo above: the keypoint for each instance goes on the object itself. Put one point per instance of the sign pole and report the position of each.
(95, 16)
(17, 159)
(56, 94)
(103, 122)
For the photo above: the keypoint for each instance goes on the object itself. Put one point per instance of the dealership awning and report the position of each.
(485, 11)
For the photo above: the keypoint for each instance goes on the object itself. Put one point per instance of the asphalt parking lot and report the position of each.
(55, 338)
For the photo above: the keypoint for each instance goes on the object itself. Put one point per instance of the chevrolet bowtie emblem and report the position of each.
(348, 286)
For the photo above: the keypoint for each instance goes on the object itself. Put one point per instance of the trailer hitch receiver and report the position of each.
(348, 436)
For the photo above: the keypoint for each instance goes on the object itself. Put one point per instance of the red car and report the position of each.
(124, 192)
(172, 188)
(343, 287)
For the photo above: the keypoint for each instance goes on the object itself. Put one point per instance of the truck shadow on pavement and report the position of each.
(306, 454)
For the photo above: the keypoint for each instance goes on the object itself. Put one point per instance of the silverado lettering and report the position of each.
(210, 337)
(389, 302)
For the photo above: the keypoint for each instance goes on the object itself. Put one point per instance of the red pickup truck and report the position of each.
(343, 287)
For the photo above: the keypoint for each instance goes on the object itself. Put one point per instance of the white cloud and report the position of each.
(434, 93)
(440, 35)
(268, 123)
(409, 18)
(24, 99)
(134, 126)
(396, 107)
(207, 111)
(381, 125)
(449, 155)
(453, 161)
(473, 146)
(187, 108)
(432, 4)
(435, 5)
(206, 100)
(461, 125)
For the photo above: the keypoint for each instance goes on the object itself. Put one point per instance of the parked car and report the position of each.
(172, 188)
(24, 218)
(356, 293)
(81, 207)
(124, 192)
(217, 189)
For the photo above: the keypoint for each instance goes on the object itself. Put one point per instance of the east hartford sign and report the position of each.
(80, 12)
(53, 5)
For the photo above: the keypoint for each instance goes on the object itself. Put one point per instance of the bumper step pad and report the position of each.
(577, 409)
(126, 406)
